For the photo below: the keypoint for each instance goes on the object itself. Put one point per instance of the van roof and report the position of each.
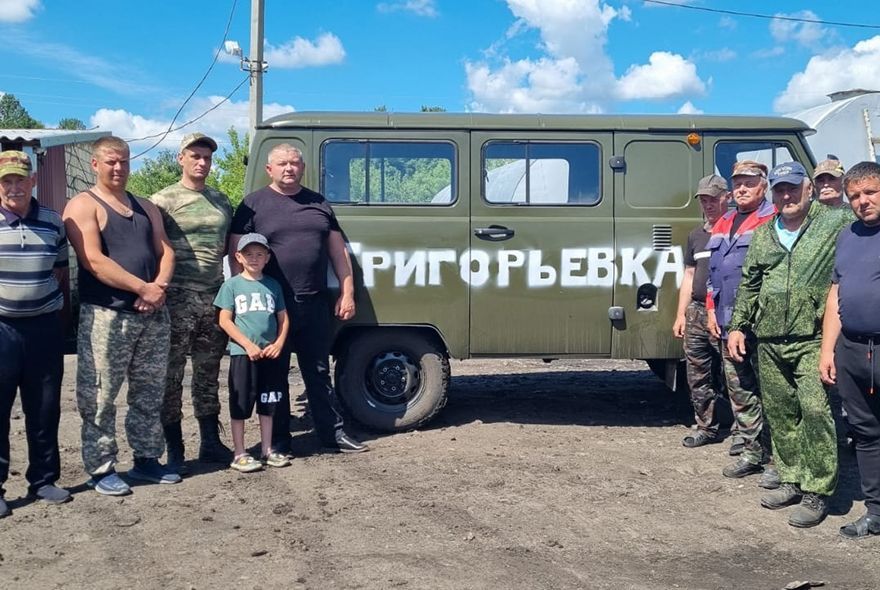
(384, 120)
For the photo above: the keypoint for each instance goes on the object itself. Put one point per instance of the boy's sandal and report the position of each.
(246, 464)
(274, 459)
(699, 439)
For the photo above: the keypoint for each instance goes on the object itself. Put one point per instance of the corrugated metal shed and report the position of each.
(45, 138)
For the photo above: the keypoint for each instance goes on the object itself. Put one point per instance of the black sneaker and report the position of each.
(811, 511)
(866, 526)
(741, 468)
(346, 444)
(4, 508)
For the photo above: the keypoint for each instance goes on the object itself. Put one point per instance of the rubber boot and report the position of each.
(212, 449)
(174, 448)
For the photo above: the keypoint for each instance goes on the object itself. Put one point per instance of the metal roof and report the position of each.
(816, 115)
(49, 137)
(557, 122)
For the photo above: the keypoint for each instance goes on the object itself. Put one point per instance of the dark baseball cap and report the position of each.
(789, 172)
(712, 186)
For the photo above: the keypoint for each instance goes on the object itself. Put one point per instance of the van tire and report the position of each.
(417, 365)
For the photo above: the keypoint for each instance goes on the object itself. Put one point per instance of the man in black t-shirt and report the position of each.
(701, 348)
(304, 236)
(851, 333)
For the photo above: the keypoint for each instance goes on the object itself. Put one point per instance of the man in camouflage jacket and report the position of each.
(786, 277)
(196, 219)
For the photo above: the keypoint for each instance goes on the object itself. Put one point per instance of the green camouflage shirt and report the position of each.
(197, 224)
(782, 294)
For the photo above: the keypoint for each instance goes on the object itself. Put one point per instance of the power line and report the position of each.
(194, 90)
(766, 16)
(164, 134)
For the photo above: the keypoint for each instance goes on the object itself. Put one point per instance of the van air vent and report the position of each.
(662, 237)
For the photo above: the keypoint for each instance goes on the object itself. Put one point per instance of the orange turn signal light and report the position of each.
(693, 139)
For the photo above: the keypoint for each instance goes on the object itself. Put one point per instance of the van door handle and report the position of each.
(493, 233)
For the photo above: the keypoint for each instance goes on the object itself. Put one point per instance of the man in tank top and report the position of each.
(125, 264)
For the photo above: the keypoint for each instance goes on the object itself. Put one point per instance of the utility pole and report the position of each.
(256, 66)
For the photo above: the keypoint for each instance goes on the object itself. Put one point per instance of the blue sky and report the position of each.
(128, 66)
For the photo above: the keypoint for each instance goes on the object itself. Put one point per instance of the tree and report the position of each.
(72, 124)
(227, 174)
(14, 116)
(155, 174)
(432, 109)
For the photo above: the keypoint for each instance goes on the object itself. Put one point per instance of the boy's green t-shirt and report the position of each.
(254, 305)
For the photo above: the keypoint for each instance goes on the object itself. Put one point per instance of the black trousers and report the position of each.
(32, 362)
(856, 373)
(309, 338)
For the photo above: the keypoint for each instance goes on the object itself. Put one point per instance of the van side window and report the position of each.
(539, 173)
(770, 153)
(368, 172)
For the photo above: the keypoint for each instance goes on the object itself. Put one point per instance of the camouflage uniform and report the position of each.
(197, 223)
(703, 367)
(113, 345)
(782, 298)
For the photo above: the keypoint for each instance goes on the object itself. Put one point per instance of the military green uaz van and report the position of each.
(509, 236)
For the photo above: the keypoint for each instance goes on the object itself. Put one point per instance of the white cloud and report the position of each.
(688, 108)
(131, 126)
(419, 7)
(726, 22)
(666, 75)
(117, 76)
(542, 86)
(806, 34)
(576, 73)
(17, 11)
(301, 53)
(717, 55)
(826, 73)
(769, 52)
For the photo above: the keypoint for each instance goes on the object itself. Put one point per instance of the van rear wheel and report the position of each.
(393, 379)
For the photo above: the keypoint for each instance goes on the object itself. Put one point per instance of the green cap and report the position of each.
(192, 138)
(13, 162)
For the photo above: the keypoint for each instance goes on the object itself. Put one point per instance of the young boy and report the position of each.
(252, 313)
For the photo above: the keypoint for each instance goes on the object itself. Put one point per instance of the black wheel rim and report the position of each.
(393, 379)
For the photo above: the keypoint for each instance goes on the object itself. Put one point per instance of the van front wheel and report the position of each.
(392, 380)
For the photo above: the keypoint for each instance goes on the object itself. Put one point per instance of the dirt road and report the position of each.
(569, 475)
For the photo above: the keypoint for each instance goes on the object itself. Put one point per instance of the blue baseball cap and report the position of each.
(790, 172)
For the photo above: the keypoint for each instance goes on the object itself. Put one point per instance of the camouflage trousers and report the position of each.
(111, 347)
(703, 355)
(745, 401)
(194, 332)
(804, 441)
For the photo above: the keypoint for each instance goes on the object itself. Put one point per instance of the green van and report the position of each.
(476, 235)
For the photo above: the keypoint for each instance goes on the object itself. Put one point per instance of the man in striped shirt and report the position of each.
(33, 263)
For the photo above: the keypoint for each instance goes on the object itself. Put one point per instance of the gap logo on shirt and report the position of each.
(256, 302)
